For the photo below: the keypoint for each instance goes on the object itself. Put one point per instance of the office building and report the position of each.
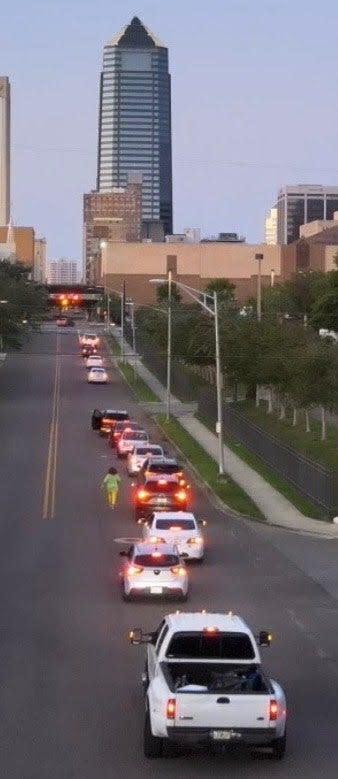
(5, 119)
(305, 203)
(110, 216)
(270, 236)
(39, 267)
(135, 119)
(62, 272)
(19, 242)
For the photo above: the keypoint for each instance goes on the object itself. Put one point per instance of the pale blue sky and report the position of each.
(254, 105)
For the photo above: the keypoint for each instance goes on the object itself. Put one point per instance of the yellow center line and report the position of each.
(50, 479)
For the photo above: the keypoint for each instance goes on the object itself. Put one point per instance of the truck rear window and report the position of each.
(225, 646)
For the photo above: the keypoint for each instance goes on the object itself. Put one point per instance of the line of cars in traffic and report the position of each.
(160, 497)
(203, 680)
(94, 362)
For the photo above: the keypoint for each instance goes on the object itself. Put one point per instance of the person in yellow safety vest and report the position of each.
(110, 484)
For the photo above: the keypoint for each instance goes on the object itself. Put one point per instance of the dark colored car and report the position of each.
(105, 420)
(159, 494)
(70, 322)
(162, 466)
(119, 428)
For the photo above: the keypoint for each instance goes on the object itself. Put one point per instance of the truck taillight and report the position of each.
(273, 710)
(133, 570)
(171, 708)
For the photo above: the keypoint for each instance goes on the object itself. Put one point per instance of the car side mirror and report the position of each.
(141, 521)
(123, 553)
(264, 638)
(202, 522)
(135, 636)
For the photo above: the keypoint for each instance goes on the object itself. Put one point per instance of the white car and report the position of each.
(89, 339)
(140, 454)
(180, 528)
(129, 439)
(97, 376)
(154, 570)
(94, 361)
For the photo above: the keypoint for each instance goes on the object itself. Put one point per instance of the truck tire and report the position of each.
(152, 745)
(278, 748)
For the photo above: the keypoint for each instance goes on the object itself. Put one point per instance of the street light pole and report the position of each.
(219, 424)
(169, 345)
(259, 257)
(122, 319)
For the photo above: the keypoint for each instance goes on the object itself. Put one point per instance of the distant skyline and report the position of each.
(252, 106)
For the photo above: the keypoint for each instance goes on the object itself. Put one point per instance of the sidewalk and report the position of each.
(276, 509)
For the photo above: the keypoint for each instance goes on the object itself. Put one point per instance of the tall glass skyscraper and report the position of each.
(135, 119)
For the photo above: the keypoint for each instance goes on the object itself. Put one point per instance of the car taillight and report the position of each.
(181, 495)
(195, 540)
(273, 710)
(171, 708)
(178, 570)
(133, 570)
(156, 540)
(142, 494)
(162, 481)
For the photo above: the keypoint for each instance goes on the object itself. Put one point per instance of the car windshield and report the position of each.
(163, 468)
(217, 678)
(156, 560)
(225, 646)
(175, 524)
(161, 485)
(116, 415)
(144, 450)
(135, 435)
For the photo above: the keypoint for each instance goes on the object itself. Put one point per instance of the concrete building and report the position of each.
(317, 226)
(40, 256)
(110, 216)
(62, 272)
(305, 203)
(135, 119)
(20, 240)
(270, 232)
(193, 234)
(314, 252)
(5, 150)
(193, 264)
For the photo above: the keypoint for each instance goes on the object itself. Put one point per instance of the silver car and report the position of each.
(140, 454)
(154, 570)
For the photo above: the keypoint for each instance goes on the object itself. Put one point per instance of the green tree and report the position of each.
(224, 288)
(324, 312)
(25, 306)
(162, 292)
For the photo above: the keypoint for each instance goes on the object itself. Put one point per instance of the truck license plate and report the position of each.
(224, 735)
(156, 590)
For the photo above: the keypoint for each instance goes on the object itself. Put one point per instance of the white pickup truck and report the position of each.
(204, 685)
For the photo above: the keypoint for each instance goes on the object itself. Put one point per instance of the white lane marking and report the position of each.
(321, 653)
(127, 540)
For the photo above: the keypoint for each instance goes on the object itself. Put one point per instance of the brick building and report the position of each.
(110, 216)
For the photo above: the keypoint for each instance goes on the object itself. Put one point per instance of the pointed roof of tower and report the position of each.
(136, 35)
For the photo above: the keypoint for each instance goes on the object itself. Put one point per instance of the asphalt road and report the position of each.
(71, 702)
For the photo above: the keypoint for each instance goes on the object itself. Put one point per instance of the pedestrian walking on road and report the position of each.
(110, 484)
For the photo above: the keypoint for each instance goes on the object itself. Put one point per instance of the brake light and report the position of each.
(171, 708)
(175, 528)
(273, 710)
(116, 434)
(210, 630)
(162, 481)
(181, 495)
(142, 494)
(133, 570)
(182, 482)
(156, 554)
(178, 570)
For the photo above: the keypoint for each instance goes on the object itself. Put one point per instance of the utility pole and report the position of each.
(123, 299)
(169, 346)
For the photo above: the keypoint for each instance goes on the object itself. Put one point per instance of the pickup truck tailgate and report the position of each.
(222, 711)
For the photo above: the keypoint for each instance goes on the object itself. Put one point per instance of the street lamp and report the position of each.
(2, 303)
(195, 294)
(259, 257)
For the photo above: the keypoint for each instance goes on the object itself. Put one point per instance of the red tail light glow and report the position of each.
(210, 630)
(133, 570)
(162, 481)
(142, 494)
(171, 708)
(273, 711)
(157, 555)
(181, 495)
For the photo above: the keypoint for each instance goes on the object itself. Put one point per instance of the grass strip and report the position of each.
(113, 345)
(228, 491)
(302, 504)
(140, 388)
